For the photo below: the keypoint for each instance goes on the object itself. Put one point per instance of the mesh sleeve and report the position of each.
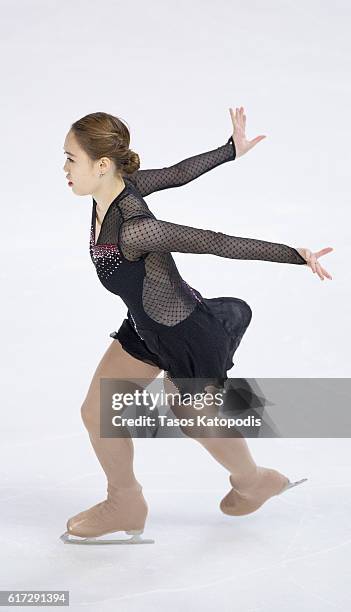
(145, 235)
(148, 181)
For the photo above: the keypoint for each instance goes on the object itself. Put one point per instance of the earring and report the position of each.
(101, 174)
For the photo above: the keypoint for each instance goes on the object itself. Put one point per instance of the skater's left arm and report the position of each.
(144, 235)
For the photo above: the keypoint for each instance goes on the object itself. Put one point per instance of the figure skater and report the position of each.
(170, 326)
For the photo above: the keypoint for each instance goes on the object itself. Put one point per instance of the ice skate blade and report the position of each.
(67, 538)
(292, 484)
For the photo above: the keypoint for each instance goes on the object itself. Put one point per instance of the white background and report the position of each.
(171, 71)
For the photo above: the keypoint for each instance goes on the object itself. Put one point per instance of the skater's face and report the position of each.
(83, 174)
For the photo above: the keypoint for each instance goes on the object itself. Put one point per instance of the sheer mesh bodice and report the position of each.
(133, 252)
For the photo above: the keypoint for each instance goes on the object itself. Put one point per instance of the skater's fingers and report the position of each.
(312, 262)
(326, 274)
(234, 119)
(319, 271)
(324, 251)
(254, 141)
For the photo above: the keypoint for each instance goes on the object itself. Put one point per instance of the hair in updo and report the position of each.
(103, 135)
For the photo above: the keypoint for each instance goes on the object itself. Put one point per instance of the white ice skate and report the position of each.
(122, 511)
(249, 497)
(67, 538)
(292, 484)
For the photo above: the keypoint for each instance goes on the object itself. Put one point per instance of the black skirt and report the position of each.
(199, 351)
(203, 345)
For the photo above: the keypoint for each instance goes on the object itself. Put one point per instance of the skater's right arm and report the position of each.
(149, 181)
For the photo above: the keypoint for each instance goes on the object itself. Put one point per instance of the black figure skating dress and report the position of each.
(170, 324)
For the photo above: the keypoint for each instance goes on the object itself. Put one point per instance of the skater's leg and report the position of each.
(125, 507)
(232, 453)
(114, 454)
(252, 485)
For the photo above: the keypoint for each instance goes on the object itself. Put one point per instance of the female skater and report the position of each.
(170, 326)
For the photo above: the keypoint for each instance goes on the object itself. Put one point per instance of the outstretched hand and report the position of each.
(311, 259)
(242, 145)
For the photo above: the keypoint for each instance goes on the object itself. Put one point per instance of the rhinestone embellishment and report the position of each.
(192, 291)
(106, 257)
(135, 327)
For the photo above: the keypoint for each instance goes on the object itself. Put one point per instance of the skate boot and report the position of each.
(123, 510)
(247, 497)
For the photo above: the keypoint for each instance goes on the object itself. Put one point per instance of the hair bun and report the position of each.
(132, 162)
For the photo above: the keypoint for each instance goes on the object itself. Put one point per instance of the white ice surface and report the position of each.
(293, 553)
